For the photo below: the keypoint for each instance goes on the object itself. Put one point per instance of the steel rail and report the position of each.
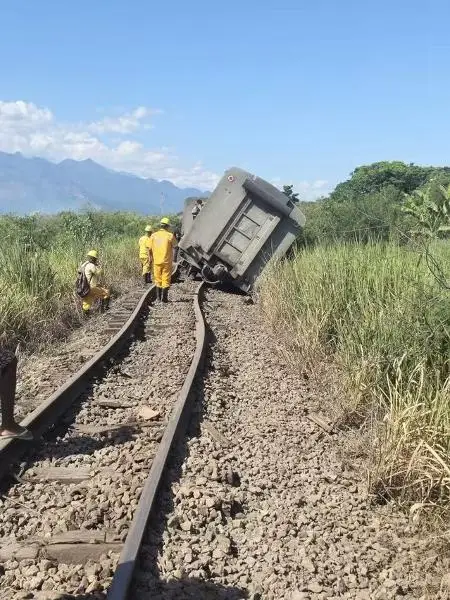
(176, 426)
(47, 413)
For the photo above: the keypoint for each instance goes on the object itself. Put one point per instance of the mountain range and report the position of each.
(30, 185)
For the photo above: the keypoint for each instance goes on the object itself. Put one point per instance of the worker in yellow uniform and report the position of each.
(145, 255)
(162, 243)
(96, 292)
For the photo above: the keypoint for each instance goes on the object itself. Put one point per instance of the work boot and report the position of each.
(86, 313)
(158, 294)
(145, 278)
(165, 294)
(149, 278)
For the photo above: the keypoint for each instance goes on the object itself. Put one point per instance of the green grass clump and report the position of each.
(377, 312)
(37, 299)
(39, 257)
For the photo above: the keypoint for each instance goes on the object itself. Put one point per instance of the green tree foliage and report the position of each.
(369, 205)
(374, 217)
(370, 179)
(430, 209)
(288, 190)
(33, 232)
(88, 227)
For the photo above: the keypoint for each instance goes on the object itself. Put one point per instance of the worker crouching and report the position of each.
(88, 284)
(162, 243)
(145, 254)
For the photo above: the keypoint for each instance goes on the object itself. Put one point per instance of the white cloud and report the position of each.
(128, 148)
(126, 123)
(320, 184)
(33, 130)
(307, 190)
(23, 114)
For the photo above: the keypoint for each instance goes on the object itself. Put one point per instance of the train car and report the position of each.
(245, 222)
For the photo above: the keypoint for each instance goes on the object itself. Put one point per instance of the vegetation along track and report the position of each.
(254, 502)
(64, 521)
(260, 504)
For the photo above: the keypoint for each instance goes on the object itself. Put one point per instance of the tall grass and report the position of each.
(39, 256)
(37, 300)
(377, 313)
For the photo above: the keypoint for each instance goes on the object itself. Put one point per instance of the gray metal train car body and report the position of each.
(245, 222)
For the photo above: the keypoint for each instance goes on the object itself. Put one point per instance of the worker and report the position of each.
(162, 243)
(145, 255)
(8, 379)
(92, 273)
(197, 208)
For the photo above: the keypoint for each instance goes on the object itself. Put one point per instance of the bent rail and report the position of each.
(47, 413)
(177, 424)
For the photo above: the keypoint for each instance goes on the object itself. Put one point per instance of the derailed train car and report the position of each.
(245, 222)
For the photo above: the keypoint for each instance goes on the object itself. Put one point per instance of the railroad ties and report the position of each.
(120, 501)
(119, 315)
(76, 496)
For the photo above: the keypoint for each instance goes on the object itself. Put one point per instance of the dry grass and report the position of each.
(379, 317)
(413, 458)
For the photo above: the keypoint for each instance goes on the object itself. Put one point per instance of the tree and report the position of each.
(288, 190)
(373, 178)
(431, 210)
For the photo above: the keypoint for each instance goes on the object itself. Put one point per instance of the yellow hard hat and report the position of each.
(165, 221)
(93, 253)
(148, 228)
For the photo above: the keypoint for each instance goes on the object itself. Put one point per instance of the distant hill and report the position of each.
(38, 185)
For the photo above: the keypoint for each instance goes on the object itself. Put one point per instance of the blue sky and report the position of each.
(296, 91)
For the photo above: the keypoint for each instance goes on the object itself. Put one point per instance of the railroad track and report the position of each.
(120, 326)
(99, 469)
(41, 376)
(122, 580)
(253, 502)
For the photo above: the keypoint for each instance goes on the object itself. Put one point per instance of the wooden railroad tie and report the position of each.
(320, 421)
(70, 547)
(66, 474)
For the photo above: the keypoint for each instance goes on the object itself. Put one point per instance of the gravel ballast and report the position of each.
(263, 505)
(42, 373)
(138, 391)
